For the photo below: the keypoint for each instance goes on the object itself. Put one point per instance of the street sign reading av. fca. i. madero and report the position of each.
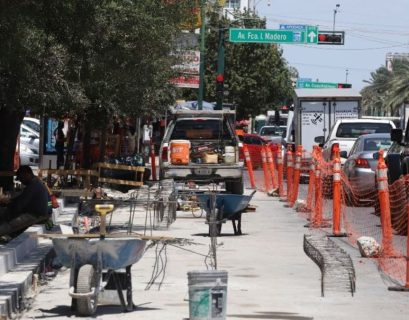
(310, 35)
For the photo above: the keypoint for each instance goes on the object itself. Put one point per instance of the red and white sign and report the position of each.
(188, 69)
(186, 81)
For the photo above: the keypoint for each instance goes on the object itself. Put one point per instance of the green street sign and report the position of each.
(239, 35)
(316, 85)
(311, 34)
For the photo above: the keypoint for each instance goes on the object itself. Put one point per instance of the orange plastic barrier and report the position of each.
(290, 166)
(249, 166)
(311, 182)
(317, 221)
(336, 198)
(265, 169)
(297, 172)
(383, 193)
(271, 166)
(280, 171)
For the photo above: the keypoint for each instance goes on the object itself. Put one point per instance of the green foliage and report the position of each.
(387, 90)
(62, 57)
(257, 76)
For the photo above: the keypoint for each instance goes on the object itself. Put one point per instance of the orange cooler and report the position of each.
(179, 151)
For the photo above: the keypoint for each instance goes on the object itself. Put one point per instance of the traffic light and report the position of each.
(344, 85)
(219, 90)
(331, 37)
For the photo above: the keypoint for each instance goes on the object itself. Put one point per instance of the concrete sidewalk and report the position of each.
(269, 275)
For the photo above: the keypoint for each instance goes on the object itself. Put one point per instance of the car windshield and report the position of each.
(200, 129)
(375, 144)
(273, 131)
(356, 129)
(31, 124)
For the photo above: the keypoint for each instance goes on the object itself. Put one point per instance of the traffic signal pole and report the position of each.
(202, 54)
(220, 71)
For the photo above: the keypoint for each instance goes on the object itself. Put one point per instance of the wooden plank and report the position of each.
(119, 166)
(120, 181)
(72, 172)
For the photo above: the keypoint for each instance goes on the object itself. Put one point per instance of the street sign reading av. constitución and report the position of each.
(316, 85)
(239, 35)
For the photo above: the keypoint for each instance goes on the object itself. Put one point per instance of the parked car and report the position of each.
(360, 167)
(274, 134)
(29, 154)
(29, 145)
(345, 132)
(202, 146)
(32, 123)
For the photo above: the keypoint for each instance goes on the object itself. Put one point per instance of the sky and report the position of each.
(372, 29)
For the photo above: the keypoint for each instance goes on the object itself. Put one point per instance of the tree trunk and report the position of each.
(10, 122)
(70, 144)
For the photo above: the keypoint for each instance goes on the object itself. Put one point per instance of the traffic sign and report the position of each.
(304, 80)
(240, 35)
(312, 34)
(299, 27)
(316, 85)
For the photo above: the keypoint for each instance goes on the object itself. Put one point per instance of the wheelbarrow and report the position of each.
(95, 261)
(227, 207)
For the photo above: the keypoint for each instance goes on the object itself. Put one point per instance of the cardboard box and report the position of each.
(210, 158)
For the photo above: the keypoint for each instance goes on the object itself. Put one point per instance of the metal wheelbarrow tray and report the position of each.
(228, 206)
(88, 258)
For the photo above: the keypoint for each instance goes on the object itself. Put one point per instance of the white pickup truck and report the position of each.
(346, 131)
(213, 154)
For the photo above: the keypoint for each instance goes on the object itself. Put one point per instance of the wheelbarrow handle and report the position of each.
(103, 210)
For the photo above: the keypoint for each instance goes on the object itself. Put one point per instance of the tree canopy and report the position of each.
(86, 59)
(387, 90)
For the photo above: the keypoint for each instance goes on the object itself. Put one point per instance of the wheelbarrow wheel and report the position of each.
(87, 279)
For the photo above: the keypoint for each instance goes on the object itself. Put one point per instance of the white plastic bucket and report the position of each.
(229, 154)
(207, 295)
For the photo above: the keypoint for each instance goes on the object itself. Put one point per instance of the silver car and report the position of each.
(360, 167)
(273, 134)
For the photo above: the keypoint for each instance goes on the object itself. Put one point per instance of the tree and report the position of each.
(257, 75)
(86, 59)
(387, 90)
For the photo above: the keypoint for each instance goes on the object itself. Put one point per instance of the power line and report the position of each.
(328, 22)
(350, 49)
(329, 66)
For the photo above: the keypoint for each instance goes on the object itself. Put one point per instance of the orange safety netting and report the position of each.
(363, 209)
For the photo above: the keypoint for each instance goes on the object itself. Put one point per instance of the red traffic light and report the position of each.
(220, 78)
(331, 37)
(344, 85)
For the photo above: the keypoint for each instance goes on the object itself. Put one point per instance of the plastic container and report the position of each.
(207, 294)
(179, 152)
(229, 154)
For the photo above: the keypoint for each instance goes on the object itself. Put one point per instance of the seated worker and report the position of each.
(28, 208)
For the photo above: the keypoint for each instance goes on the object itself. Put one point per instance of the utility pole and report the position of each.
(335, 13)
(220, 71)
(202, 54)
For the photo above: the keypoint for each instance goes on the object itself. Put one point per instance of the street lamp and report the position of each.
(335, 13)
